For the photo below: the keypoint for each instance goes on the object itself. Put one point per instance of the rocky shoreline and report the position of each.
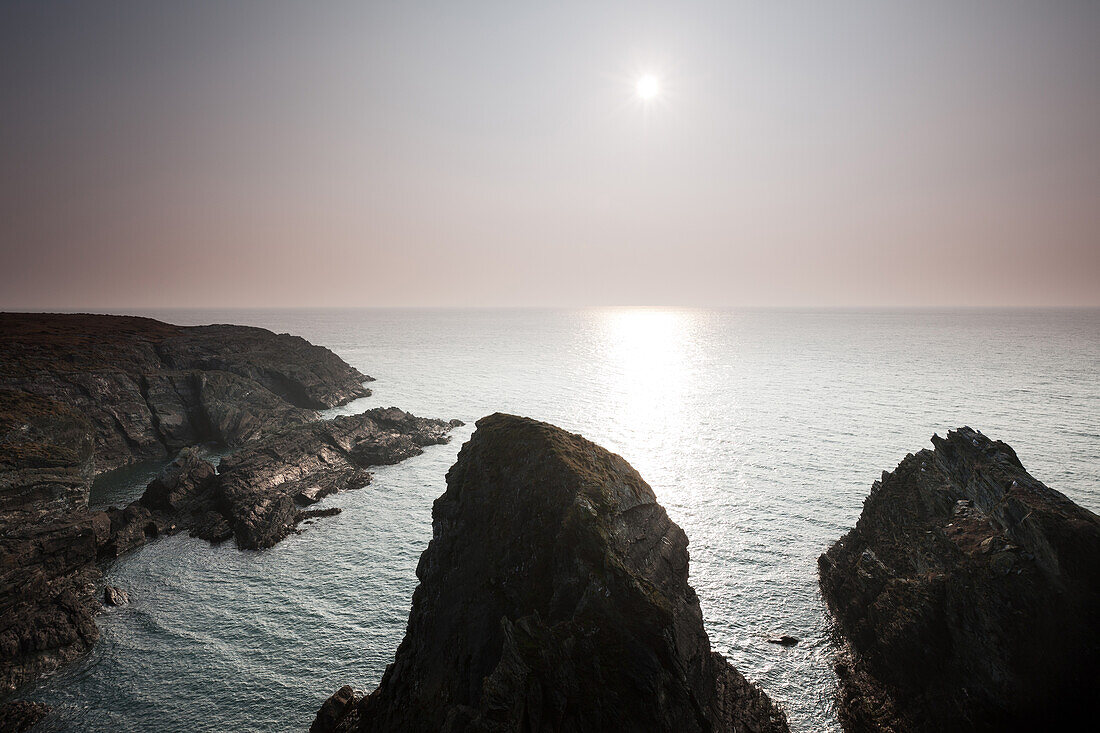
(257, 494)
(80, 394)
(553, 596)
(968, 596)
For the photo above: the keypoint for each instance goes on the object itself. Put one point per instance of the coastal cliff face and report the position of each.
(969, 595)
(147, 388)
(553, 596)
(81, 393)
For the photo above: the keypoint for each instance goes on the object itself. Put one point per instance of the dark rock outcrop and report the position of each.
(186, 485)
(48, 540)
(333, 709)
(21, 715)
(259, 489)
(46, 457)
(47, 595)
(553, 596)
(969, 594)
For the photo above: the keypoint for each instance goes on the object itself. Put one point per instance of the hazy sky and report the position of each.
(495, 153)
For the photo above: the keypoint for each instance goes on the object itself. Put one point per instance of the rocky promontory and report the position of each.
(80, 394)
(554, 595)
(258, 493)
(969, 597)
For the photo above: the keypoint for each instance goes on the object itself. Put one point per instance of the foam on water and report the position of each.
(760, 432)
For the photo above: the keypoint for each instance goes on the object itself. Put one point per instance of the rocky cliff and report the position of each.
(81, 393)
(147, 389)
(553, 596)
(969, 595)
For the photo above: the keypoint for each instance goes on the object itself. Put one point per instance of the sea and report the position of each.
(761, 432)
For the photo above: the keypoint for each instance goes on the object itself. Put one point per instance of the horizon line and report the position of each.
(116, 310)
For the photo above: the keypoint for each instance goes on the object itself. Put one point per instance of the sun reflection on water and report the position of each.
(649, 353)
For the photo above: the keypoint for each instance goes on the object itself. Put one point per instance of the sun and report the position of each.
(647, 87)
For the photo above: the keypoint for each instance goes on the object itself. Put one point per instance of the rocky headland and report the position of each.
(969, 597)
(147, 389)
(80, 394)
(554, 595)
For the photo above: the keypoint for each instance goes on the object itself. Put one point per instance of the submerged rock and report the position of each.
(553, 596)
(784, 640)
(969, 594)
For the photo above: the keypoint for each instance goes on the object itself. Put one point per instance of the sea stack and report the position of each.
(969, 595)
(553, 596)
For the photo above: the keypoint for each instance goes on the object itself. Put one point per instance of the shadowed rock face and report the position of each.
(969, 594)
(47, 538)
(46, 457)
(553, 596)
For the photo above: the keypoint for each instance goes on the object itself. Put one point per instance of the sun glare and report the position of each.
(648, 352)
(647, 87)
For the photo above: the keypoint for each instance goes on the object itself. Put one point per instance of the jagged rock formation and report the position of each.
(969, 594)
(147, 389)
(81, 393)
(553, 596)
(47, 596)
(257, 492)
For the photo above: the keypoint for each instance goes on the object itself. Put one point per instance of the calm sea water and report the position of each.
(760, 432)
